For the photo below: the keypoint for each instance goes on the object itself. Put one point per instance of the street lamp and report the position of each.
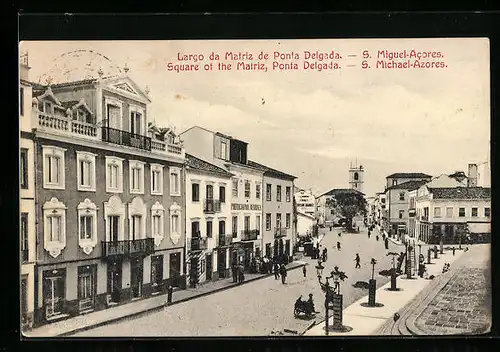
(393, 271)
(333, 298)
(372, 285)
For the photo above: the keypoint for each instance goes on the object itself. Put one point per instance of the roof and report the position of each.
(201, 165)
(409, 185)
(458, 174)
(461, 193)
(270, 171)
(336, 191)
(408, 175)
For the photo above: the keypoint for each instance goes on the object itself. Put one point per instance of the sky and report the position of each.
(304, 122)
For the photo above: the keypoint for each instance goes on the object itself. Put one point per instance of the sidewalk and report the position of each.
(106, 316)
(367, 320)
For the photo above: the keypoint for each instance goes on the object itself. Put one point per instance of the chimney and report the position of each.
(472, 176)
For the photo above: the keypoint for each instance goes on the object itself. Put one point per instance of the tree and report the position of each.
(349, 204)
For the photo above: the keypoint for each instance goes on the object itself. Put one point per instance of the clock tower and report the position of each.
(356, 179)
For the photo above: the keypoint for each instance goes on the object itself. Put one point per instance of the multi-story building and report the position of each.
(208, 213)
(27, 201)
(246, 187)
(380, 216)
(110, 193)
(451, 214)
(306, 203)
(397, 200)
(278, 230)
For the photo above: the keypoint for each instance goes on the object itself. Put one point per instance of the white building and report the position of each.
(27, 193)
(305, 202)
(208, 213)
(452, 212)
(305, 224)
(480, 175)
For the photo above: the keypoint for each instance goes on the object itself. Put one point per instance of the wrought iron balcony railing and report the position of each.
(249, 235)
(225, 240)
(125, 138)
(279, 232)
(143, 246)
(198, 244)
(211, 206)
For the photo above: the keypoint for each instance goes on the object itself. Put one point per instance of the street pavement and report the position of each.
(263, 307)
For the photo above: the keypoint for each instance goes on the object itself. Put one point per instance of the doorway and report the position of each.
(114, 281)
(208, 272)
(156, 273)
(24, 302)
(193, 272)
(175, 269)
(136, 277)
(287, 248)
(86, 288)
(54, 284)
(221, 263)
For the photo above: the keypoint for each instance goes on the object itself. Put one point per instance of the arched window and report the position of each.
(356, 176)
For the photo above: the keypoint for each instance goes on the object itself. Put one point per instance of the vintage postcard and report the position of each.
(255, 187)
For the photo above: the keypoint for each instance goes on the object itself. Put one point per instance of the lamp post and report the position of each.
(333, 298)
(372, 285)
(393, 271)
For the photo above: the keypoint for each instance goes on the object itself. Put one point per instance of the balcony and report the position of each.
(424, 218)
(165, 147)
(119, 137)
(411, 212)
(198, 244)
(66, 125)
(211, 206)
(144, 246)
(249, 235)
(279, 232)
(225, 240)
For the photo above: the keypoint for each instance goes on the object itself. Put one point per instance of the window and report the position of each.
(235, 187)
(136, 174)
(23, 170)
(257, 191)
(135, 122)
(246, 223)
(24, 237)
(195, 192)
(223, 150)
(449, 212)
(85, 227)
(54, 218)
(53, 167)
(247, 189)
(222, 194)
(401, 213)
(287, 220)
(114, 174)
(222, 227)
(268, 222)
(21, 101)
(461, 212)
(474, 212)
(210, 192)
(487, 212)
(356, 176)
(135, 227)
(235, 226)
(288, 194)
(394, 182)
(278, 220)
(175, 182)
(383, 200)
(156, 179)
(175, 223)
(437, 212)
(402, 196)
(86, 171)
(157, 222)
(209, 229)
(268, 192)
(278, 193)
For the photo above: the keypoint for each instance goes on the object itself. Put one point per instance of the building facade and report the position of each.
(305, 224)
(27, 199)
(356, 177)
(453, 214)
(208, 219)
(110, 195)
(246, 188)
(397, 199)
(278, 232)
(306, 203)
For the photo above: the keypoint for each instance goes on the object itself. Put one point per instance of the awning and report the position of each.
(479, 227)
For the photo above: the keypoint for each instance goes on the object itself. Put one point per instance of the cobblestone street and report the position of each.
(259, 308)
(463, 306)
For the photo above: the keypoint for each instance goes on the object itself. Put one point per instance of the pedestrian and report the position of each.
(369, 233)
(283, 273)
(357, 259)
(234, 272)
(304, 271)
(376, 237)
(453, 249)
(338, 245)
(276, 271)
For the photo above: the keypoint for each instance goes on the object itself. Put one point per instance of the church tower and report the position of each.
(356, 179)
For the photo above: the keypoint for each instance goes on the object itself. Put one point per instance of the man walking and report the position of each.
(283, 273)
(369, 233)
(304, 271)
(357, 259)
(338, 245)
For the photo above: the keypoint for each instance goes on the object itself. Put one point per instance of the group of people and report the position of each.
(280, 270)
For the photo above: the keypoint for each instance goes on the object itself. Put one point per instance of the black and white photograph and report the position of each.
(221, 188)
